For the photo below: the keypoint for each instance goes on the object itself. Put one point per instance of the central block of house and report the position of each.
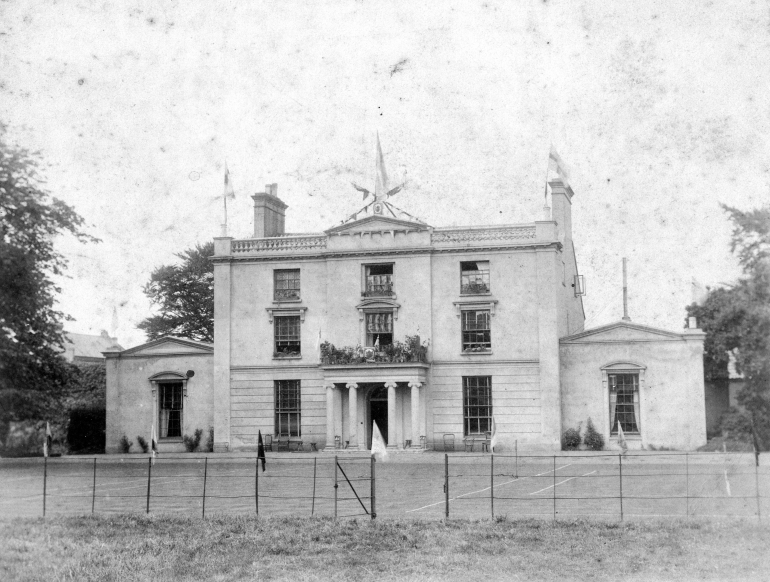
(426, 331)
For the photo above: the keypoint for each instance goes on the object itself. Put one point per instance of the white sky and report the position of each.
(659, 108)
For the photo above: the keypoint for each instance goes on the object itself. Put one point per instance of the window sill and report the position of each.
(278, 358)
(485, 353)
(476, 294)
(287, 300)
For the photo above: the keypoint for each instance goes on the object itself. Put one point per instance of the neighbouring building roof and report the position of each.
(87, 348)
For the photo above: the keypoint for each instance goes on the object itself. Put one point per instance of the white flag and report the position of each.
(379, 450)
(229, 191)
(493, 438)
(47, 445)
(556, 164)
(381, 181)
(622, 438)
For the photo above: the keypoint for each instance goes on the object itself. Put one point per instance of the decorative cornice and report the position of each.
(284, 311)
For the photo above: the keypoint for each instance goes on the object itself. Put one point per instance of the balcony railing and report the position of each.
(410, 351)
(286, 294)
(385, 290)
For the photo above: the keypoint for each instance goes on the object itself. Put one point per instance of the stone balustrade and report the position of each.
(279, 243)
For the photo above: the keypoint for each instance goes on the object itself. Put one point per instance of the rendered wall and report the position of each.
(130, 401)
(672, 400)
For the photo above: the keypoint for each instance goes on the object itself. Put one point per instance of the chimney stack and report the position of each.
(269, 213)
(561, 213)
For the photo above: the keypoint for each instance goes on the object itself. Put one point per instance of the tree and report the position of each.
(737, 320)
(185, 296)
(31, 368)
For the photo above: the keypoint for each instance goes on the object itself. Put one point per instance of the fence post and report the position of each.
(93, 489)
(256, 485)
(756, 482)
(45, 480)
(312, 507)
(205, 477)
(620, 473)
(687, 483)
(446, 485)
(149, 478)
(492, 484)
(336, 486)
(516, 449)
(373, 508)
(554, 487)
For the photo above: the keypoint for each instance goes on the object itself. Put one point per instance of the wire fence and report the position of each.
(429, 486)
(341, 487)
(613, 486)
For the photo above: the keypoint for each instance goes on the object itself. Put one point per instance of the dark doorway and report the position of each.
(378, 411)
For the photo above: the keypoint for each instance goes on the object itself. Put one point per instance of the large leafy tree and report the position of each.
(184, 294)
(32, 371)
(737, 320)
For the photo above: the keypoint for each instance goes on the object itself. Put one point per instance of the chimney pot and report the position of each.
(269, 213)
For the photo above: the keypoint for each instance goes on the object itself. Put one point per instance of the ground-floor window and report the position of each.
(287, 408)
(624, 402)
(477, 404)
(171, 401)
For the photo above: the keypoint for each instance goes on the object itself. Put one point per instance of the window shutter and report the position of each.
(636, 410)
(613, 415)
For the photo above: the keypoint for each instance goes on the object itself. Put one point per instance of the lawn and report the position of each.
(163, 547)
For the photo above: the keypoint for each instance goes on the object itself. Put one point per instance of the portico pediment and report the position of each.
(376, 224)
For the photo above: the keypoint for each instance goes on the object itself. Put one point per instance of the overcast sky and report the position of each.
(659, 108)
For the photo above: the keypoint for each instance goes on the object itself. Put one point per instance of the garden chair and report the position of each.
(486, 443)
(283, 444)
(469, 442)
(449, 442)
(267, 442)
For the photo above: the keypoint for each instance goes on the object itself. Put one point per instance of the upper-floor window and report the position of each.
(624, 402)
(379, 280)
(286, 284)
(379, 328)
(474, 277)
(287, 335)
(476, 332)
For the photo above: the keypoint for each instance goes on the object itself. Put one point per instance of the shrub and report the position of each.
(570, 440)
(192, 443)
(593, 439)
(125, 444)
(143, 444)
(86, 430)
(210, 441)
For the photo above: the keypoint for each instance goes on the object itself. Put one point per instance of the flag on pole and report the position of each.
(261, 450)
(556, 164)
(622, 438)
(48, 443)
(379, 450)
(229, 191)
(381, 183)
(153, 444)
(493, 437)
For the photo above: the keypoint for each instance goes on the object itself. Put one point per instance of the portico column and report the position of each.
(391, 386)
(353, 414)
(415, 386)
(330, 415)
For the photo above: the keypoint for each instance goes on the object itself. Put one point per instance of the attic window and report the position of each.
(474, 277)
(379, 281)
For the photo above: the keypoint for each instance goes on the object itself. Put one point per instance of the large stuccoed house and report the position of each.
(429, 332)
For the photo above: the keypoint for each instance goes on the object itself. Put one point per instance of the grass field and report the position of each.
(132, 548)
(410, 487)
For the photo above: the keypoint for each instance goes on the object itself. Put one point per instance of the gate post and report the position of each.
(446, 485)
(336, 486)
(373, 490)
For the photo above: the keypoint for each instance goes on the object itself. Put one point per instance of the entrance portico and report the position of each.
(356, 396)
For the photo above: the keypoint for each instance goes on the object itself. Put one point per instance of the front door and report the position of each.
(378, 412)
